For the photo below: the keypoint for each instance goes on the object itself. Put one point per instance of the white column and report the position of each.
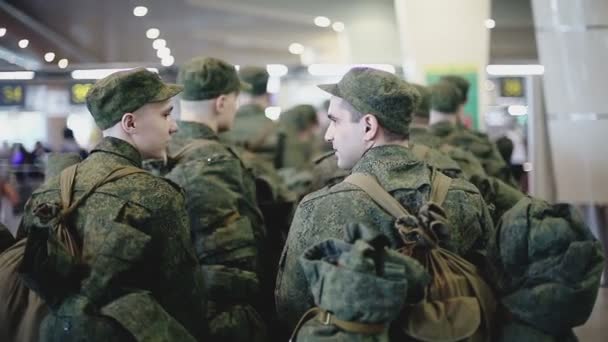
(446, 37)
(572, 38)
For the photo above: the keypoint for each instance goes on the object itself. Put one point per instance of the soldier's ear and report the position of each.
(371, 126)
(128, 122)
(220, 103)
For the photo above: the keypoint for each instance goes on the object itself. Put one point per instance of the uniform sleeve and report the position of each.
(214, 194)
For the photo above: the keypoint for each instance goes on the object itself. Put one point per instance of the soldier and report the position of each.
(226, 223)
(252, 129)
(299, 125)
(446, 111)
(420, 134)
(370, 114)
(143, 278)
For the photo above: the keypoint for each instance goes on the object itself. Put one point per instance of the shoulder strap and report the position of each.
(68, 176)
(440, 184)
(370, 185)
(195, 144)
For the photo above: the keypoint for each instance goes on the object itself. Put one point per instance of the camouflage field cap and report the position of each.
(424, 105)
(377, 92)
(206, 78)
(257, 77)
(125, 92)
(445, 97)
(462, 84)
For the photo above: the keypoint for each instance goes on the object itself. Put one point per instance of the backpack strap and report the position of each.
(440, 185)
(68, 177)
(195, 144)
(385, 200)
(327, 318)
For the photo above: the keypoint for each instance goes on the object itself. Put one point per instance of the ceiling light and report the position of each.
(322, 21)
(490, 23)
(163, 52)
(2, 31)
(16, 75)
(296, 48)
(277, 70)
(140, 11)
(338, 26)
(167, 61)
(159, 43)
(153, 33)
(63, 63)
(341, 69)
(49, 57)
(23, 43)
(273, 113)
(515, 69)
(95, 74)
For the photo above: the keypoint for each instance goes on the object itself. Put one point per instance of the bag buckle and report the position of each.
(325, 320)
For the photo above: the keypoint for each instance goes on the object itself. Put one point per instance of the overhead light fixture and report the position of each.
(322, 21)
(159, 43)
(2, 31)
(140, 11)
(338, 26)
(515, 69)
(63, 63)
(23, 43)
(517, 110)
(490, 23)
(95, 74)
(153, 33)
(163, 52)
(341, 69)
(167, 61)
(296, 48)
(17, 75)
(277, 70)
(273, 113)
(49, 57)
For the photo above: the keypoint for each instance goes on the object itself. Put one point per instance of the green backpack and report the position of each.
(458, 305)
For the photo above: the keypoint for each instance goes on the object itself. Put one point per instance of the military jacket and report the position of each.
(323, 214)
(226, 223)
(138, 215)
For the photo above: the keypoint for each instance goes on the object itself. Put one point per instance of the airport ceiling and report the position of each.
(241, 31)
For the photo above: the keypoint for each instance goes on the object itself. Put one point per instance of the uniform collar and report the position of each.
(195, 130)
(394, 166)
(120, 148)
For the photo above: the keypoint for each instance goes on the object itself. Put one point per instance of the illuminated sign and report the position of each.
(12, 94)
(78, 92)
(512, 87)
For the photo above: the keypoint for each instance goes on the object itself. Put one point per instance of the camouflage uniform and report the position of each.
(323, 214)
(142, 276)
(252, 129)
(226, 223)
(170, 272)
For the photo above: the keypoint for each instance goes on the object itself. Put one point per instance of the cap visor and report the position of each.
(167, 92)
(330, 88)
(245, 86)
